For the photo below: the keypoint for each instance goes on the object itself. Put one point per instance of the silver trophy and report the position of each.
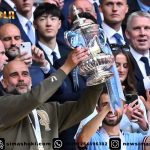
(88, 35)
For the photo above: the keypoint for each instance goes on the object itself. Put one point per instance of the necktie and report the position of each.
(118, 37)
(54, 56)
(146, 63)
(30, 32)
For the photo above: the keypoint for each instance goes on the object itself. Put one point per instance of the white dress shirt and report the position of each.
(141, 65)
(110, 32)
(24, 21)
(48, 51)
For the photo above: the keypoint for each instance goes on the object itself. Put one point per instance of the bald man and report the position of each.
(11, 38)
(49, 119)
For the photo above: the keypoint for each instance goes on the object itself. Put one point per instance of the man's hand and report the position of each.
(139, 116)
(146, 102)
(130, 108)
(25, 57)
(58, 3)
(38, 56)
(74, 58)
(103, 110)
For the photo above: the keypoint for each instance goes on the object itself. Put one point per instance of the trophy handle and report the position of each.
(102, 37)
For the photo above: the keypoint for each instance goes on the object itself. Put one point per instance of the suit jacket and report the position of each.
(24, 36)
(5, 7)
(15, 126)
(36, 74)
(139, 79)
(67, 91)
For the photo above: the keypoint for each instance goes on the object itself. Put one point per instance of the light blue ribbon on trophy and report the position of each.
(113, 84)
(74, 39)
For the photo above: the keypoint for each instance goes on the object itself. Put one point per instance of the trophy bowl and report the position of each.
(89, 35)
(97, 69)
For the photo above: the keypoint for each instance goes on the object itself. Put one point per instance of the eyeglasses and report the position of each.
(116, 47)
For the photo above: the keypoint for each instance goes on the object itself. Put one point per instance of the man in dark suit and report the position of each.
(138, 34)
(47, 22)
(24, 20)
(113, 17)
(30, 113)
(11, 38)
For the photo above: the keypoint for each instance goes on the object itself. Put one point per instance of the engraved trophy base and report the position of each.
(99, 78)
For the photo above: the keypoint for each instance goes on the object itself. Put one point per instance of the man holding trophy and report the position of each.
(85, 33)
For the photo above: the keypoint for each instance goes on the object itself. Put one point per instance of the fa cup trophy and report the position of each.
(89, 35)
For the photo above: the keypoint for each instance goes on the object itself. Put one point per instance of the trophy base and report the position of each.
(99, 78)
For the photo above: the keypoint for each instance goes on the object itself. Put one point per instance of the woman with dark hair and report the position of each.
(135, 119)
(125, 70)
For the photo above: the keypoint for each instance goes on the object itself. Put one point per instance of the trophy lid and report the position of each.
(79, 22)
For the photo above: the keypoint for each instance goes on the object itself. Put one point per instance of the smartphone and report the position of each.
(130, 98)
(25, 47)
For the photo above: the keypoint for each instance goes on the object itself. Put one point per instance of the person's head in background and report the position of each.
(16, 77)
(3, 57)
(114, 12)
(58, 3)
(111, 119)
(47, 21)
(125, 67)
(82, 6)
(24, 7)
(138, 31)
(11, 37)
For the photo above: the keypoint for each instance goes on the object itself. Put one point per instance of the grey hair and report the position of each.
(136, 14)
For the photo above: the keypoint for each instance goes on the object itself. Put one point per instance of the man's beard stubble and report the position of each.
(112, 122)
(12, 55)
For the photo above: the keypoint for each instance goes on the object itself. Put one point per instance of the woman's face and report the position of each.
(122, 66)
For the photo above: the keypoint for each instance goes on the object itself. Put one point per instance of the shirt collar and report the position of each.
(143, 7)
(23, 19)
(110, 31)
(137, 56)
(48, 50)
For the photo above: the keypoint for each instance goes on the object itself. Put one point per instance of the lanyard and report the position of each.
(36, 129)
